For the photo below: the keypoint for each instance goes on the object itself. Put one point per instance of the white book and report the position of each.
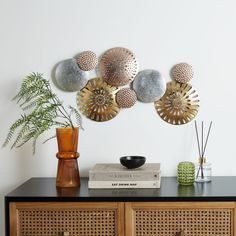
(117, 172)
(124, 176)
(123, 184)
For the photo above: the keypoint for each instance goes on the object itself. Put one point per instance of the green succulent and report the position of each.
(44, 110)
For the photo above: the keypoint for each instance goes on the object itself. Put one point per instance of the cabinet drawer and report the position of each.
(173, 219)
(56, 219)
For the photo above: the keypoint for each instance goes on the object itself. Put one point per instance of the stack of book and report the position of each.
(117, 176)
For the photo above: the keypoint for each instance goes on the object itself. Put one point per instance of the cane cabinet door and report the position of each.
(180, 219)
(67, 219)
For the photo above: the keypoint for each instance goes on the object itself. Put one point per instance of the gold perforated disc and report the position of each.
(179, 105)
(87, 60)
(118, 66)
(97, 100)
(182, 72)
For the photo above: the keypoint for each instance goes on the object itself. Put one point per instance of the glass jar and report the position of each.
(186, 173)
(203, 170)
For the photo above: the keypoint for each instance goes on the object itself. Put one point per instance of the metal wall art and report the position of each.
(87, 60)
(126, 98)
(179, 105)
(149, 85)
(118, 66)
(100, 99)
(182, 72)
(97, 100)
(69, 77)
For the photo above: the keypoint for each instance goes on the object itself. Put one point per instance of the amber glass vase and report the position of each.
(67, 170)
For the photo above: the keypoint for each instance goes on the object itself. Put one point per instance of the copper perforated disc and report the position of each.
(126, 98)
(87, 60)
(118, 66)
(182, 72)
(179, 105)
(97, 100)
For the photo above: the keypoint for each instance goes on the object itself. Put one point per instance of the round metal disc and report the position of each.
(118, 66)
(149, 85)
(182, 72)
(97, 100)
(126, 98)
(87, 60)
(179, 105)
(69, 76)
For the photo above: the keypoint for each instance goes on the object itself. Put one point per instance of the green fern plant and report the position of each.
(44, 111)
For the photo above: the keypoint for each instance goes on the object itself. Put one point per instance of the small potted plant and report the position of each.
(45, 110)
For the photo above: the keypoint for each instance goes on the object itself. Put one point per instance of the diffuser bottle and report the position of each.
(203, 170)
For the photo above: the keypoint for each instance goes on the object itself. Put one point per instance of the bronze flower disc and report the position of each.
(97, 100)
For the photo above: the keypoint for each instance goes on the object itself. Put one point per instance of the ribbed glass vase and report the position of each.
(186, 173)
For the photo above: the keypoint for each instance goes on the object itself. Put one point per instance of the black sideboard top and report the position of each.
(44, 189)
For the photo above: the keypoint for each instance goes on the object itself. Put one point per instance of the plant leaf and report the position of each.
(77, 116)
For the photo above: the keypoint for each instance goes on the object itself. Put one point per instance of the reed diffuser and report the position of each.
(203, 170)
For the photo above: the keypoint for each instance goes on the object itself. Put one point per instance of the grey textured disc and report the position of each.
(149, 85)
(70, 77)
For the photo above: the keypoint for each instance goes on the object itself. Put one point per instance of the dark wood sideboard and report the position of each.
(38, 208)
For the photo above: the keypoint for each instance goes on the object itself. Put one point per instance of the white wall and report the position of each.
(35, 35)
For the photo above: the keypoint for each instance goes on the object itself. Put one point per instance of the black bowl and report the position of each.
(132, 162)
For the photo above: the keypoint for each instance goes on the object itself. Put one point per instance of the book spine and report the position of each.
(124, 176)
(124, 184)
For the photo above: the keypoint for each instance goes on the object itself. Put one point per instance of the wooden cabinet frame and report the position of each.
(125, 212)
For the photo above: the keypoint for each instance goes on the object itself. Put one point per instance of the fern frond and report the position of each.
(26, 138)
(39, 132)
(31, 84)
(52, 137)
(13, 128)
(77, 116)
(22, 133)
(38, 101)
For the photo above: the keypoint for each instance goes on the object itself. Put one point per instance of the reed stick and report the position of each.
(201, 157)
(198, 144)
(208, 133)
(202, 142)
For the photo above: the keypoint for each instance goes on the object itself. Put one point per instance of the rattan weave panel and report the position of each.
(210, 222)
(38, 222)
